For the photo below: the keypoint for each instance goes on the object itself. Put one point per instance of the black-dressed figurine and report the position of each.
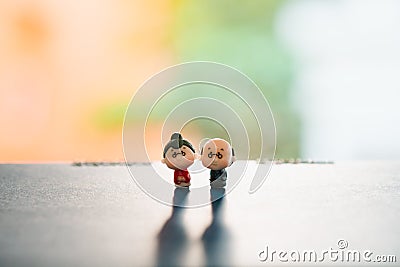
(217, 154)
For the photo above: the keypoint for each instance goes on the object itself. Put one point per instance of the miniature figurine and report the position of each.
(178, 155)
(217, 154)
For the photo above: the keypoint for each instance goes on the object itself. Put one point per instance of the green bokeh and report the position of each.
(239, 34)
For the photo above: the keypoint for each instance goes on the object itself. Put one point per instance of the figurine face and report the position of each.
(217, 154)
(179, 158)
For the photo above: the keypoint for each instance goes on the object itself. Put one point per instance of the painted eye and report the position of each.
(219, 155)
(174, 154)
(210, 155)
(183, 153)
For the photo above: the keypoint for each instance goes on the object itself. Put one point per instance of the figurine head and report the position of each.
(217, 154)
(178, 153)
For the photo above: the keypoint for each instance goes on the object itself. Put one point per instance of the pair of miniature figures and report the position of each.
(216, 155)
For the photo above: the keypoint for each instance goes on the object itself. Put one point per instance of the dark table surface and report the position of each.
(64, 215)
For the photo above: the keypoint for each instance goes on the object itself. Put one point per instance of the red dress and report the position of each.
(183, 173)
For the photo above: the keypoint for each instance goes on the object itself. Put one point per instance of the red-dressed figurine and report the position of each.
(217, 154)
(179, 155)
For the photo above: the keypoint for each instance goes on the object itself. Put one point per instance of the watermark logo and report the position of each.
(201, 99)
(342, 244)
(340, 254)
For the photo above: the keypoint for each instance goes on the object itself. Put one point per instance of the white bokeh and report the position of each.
(347, 83)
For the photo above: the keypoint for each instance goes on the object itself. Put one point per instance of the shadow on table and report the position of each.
(216, 237)
(172, 239)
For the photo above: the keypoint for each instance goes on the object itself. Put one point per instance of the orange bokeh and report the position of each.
(62, 62)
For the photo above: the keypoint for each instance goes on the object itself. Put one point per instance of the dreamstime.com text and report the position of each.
(340, 254)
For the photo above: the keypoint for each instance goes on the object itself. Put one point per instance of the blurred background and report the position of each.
(329, 69)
